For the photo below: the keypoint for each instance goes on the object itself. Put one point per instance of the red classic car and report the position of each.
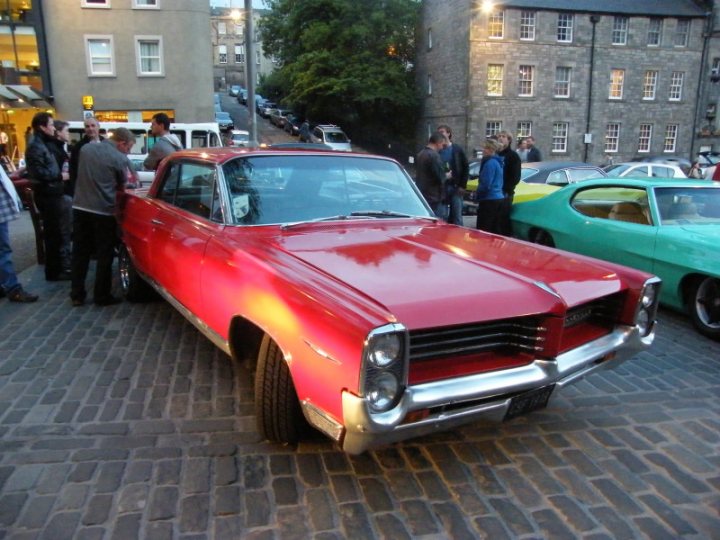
(361, 313)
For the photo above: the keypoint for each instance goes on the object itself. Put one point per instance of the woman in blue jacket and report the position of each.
(490, 189)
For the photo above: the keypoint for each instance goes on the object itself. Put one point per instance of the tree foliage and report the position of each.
(345, 61)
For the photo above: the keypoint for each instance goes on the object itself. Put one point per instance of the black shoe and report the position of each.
(18, 294)
(109, 301)
(62, 276)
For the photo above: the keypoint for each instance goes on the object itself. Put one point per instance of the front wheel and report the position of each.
(543, 238)
(277, 409)
(134, 287)
(704, 306)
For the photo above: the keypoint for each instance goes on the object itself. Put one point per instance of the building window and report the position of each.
(496, 25)
(565, 28)
(562, 82)
(525, 81)
(671, 131)
(676, 85)
(222, 28)
(682, 33)
(149, 54)
(654, 37)
(95, 3)
(222, 54)
(146, 4)
(239, 53)
(612, 137)
(620, 31)
(429, 39)
(645, 138)
(495, 79)
(617, 80)
(258, 56)
(100, 56)
(560, 136)
(527, 25)
(650, 84)
(239, 30)
(492, 128)
(429, 85)
(524, 129)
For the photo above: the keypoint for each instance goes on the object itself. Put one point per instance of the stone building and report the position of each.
(228, 43)
(591, 81)
(132, 57)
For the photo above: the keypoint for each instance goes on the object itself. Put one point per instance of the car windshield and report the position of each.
(686, 206)
(241, 137)
(222, 115)
(618, 170)
(527, 172)
(267, 190)
(335, 137)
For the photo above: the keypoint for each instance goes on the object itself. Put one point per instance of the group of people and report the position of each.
(442, 175)
(75, 188)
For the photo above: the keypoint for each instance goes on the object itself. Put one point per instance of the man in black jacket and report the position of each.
(511, 178)
(48, 187)
(454, 156)
(430, 177)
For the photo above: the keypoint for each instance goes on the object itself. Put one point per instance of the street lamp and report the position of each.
(250, 73)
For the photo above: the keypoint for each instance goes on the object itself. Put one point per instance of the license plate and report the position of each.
(529, 401)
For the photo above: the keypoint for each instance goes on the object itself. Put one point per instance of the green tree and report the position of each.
(346, 61)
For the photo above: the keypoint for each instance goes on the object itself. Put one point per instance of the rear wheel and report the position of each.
(543, 238)
(277, 408)
(134, 287)
(704, 306)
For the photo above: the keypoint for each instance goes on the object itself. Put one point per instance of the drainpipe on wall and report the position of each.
(594, 19)
(709, 22)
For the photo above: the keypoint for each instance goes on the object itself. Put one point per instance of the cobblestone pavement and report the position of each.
(124, 422)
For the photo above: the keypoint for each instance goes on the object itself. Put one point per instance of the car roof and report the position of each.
(644, 182)
(222, 154)
(555, 165)
(647, 163)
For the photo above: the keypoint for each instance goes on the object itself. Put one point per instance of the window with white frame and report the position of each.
(645, 139)
(620, 31)
(149, 55)
(496, 24)
(612, 137)
(654, 37)
(524, 129)
(429, 85)
(222, 54)
(650, 84)
(671, 132)
(682, 33)
(495, 79)
(146, 4)
(562, 81)
(617, 81)
(239, 30)
(676, 85)
(492, 128)
(100, 56)
(560, 136)
(715, 66)
(526, 74)
(527, 25)
(239, 53)
(429, 39)
(222, 28)
(258, 56)
(565, 28)
(95, 3)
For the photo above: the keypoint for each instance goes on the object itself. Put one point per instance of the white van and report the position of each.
(193, 135)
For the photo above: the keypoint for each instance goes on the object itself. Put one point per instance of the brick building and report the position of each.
(587, 79)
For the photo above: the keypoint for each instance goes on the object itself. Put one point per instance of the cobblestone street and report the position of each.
(124, 422)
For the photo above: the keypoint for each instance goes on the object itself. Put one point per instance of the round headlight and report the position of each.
(643, 321)
(648, 297)
(382, 391)
(385, 349)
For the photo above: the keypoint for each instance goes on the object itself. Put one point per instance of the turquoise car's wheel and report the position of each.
(704, 307)
(543, 238)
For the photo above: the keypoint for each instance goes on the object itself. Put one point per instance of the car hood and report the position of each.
(436, 275)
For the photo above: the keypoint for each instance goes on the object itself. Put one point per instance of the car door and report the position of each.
(188, 217)
(602, 233)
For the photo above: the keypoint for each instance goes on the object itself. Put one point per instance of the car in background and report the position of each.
(681, 162)
(216, 98)
(234, 90)
(279, 117)
(292, 124)
(266, 108)
(357, 311)
(642, 169)
(331, 135)
(665, 226)
(224, 120)
(708, 162)
(242, 97)
(238, 137)
(218, 108)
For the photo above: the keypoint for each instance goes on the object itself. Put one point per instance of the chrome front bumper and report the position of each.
(487, 396)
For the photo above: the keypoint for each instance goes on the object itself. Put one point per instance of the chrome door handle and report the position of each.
(156, 222)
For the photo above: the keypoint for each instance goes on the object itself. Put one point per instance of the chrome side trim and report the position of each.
(487, 395)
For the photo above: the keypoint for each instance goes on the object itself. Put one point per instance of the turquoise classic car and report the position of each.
(668, 227)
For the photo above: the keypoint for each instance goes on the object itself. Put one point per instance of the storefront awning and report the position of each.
(29, 95)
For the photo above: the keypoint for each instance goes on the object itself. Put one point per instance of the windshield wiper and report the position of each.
(388, 214)
(339, 217)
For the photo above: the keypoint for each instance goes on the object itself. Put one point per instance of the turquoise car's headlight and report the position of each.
(384, 367)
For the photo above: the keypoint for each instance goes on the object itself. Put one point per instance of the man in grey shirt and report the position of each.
(165, 144)
(102, 172)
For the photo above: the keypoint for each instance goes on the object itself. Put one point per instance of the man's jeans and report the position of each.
(456, 207)
(8, 278)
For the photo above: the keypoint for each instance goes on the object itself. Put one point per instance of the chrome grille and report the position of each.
(512, 335)
(600, 311)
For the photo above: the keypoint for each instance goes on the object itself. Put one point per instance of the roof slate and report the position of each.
(647, 8)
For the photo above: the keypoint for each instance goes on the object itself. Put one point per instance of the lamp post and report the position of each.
(250, 73)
